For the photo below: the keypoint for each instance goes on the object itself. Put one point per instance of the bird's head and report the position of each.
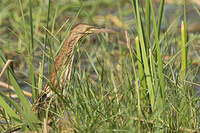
(89, 29)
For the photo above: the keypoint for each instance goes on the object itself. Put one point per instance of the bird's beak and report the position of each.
(94, 30)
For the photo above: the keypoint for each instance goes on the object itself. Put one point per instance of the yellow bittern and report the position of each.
(64, 60)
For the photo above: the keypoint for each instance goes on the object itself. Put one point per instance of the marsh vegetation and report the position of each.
(143, 77)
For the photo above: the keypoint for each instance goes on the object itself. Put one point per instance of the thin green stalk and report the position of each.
(29, 47)
(47, 25)
(184, 41)
(159, 91)
(31, 55)
(141, 70)
(151, 63)
(158, 102)
(147, 17)
(144, 58)
(159, 56)
(184, 62)
(40, 77)
(162, 3)
(31, 26)
(136, 77)
(139, 23)
(43, 55)
(153, 69)
(184, 52)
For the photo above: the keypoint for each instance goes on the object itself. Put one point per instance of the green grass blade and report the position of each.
(13, 103)
(184, 61)
(147, 17)
(28, 114)
(153, 69)
(31, 55)
(15, 85)
(184, 41)
(159, 56)
(32, 78)
(141, 70)
(40, 77)
(135, 74)
(40, 81)
(144, 58)
(31, 26)
(8, 109)
(184, 52)
(160, 16)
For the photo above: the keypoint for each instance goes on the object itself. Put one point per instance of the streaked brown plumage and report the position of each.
(67, 49)
(64, 60)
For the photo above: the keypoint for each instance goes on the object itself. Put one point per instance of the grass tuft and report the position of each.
(140, 81)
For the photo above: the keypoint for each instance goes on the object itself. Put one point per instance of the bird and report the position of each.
(60, 74)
